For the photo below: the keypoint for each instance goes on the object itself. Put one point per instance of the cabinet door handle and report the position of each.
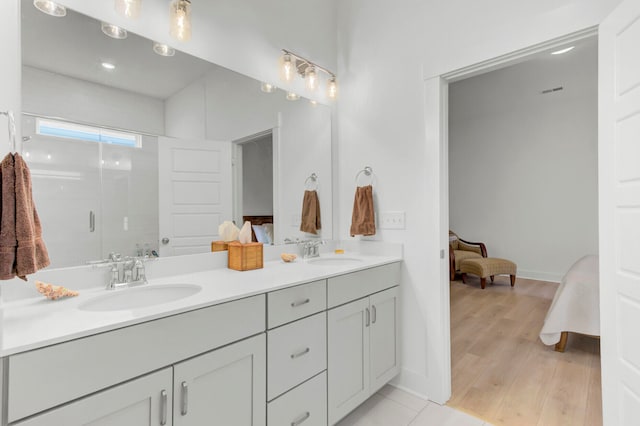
(163, 407)
(185, 399)
(301, 419)
(300, 303)
(299, 354)
(374, 314)
(368, 320)
(92, 221)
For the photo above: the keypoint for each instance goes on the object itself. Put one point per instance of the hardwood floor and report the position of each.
(502, 372)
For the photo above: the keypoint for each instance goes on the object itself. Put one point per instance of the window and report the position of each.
(63, 129)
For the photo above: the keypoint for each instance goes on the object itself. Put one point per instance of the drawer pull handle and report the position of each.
(163, 407)
(374, 314)
(368, 320)
(300, 303)
(299, 354)
(185, 399)
(301, 419)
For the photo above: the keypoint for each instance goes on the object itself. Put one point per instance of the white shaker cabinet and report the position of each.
(143, 401)
(363, 350)
(226, 387)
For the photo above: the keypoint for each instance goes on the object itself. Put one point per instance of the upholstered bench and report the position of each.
(488, 267)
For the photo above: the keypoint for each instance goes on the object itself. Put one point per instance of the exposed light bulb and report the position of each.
(50, 8)
(114, 31)
(311, 77)
(291, 96)
(287, 68)
(128, 8)
(332, 88)
(163, 49)
(267, 87)
(180, 16)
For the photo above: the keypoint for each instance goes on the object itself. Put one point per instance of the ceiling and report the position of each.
(75, 46)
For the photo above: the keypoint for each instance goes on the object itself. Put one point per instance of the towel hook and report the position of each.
(12, 128)
(368, 171)
(313, 179)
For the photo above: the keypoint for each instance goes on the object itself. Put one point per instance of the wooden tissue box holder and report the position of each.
(244, 257)
(219, 246)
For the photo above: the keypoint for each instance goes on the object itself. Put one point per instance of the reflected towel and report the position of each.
(31, 254)
(8, 241)
(362, 218)
(310, 221)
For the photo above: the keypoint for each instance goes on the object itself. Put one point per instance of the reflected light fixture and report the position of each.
(114, 31)
(50, 8)
(180, 17)
(163, 49)
(561, 51)
(128, 8)
(291, 96)
(291, 63)
(267, 87)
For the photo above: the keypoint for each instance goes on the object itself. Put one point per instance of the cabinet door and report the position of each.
(225, 387)
(384, 348)
(348, 357)
(144, 401)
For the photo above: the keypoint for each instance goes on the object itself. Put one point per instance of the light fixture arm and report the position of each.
(308, 63)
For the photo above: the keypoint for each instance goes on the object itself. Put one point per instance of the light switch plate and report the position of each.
(391, 220)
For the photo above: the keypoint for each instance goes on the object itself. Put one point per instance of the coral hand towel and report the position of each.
(31, 254)
(362, 218)
(8, 242)
(310, 221)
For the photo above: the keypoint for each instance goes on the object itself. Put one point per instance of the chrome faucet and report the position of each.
(126, 272)
(311, 248)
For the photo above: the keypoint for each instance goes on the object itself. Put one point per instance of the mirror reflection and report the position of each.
(208, 145)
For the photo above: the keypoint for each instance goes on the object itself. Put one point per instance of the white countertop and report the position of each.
(37, 322)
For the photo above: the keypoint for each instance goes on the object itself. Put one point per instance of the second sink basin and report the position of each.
(333, 260)
(139, 297)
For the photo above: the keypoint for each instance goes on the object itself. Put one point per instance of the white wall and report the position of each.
(523, 166)
(257, 177)
(10, 69)
(384, 54)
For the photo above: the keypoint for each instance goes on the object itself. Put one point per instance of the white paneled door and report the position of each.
(194, 193)
(619, 186)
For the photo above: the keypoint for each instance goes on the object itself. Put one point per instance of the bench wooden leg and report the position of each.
(492, 277)
(563, 341)
(513, 280)
(464, 278)
(483, 282)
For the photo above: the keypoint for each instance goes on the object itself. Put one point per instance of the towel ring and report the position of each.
(312, 179)
(12, 128)
(367, 171)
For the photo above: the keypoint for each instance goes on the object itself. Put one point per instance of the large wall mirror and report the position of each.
(157, 148)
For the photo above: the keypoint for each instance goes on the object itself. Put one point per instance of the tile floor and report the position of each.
(394, 407)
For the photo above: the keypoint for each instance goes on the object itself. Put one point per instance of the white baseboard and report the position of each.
(413, 383)
(541, 276)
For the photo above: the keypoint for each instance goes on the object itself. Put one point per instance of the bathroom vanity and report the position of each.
(291, 344)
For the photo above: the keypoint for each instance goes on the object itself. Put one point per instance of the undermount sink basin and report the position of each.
(333, 261)
(139, 297)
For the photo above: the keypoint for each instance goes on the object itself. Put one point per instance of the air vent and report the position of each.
(555, 89)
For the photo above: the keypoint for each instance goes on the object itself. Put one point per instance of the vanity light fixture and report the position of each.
(128, 8)
(180, 17)
(291, 63)
(163, 49)
(291, 96)
(50, 8)
(114, 31)
(267, 87)
(561, 51)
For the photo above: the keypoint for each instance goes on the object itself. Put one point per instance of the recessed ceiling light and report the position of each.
(291, 96)
(114, 31)
(50, 8)
(163, 49)
(267, 87)
(561, 51)
(108, 66)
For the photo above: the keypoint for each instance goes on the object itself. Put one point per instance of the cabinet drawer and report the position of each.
(348, 287)
(305, 405)
(87, 365)
(296, 352)
(296, 302)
